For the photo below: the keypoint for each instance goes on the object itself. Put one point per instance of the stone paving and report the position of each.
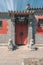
(16, 57)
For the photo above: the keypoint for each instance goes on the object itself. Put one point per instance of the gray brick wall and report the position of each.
(39, 38)
(4, 38)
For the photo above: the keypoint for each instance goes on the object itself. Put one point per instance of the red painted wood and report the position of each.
(18, 29)
(40, 30)
(21, 39)
(4, 29)
(25, 31)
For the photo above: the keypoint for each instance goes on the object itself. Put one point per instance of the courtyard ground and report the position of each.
(16, 57)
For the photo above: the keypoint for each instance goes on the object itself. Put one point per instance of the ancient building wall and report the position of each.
(9, 34)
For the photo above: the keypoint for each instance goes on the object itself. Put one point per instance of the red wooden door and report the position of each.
(21, 33)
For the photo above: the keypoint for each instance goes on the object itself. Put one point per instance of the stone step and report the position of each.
(3, 44)
(39, 45)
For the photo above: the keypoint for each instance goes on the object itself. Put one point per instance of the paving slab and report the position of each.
(16, 57)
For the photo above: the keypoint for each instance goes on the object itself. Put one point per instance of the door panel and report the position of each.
(18, 29)
(25, 32)
(21, 33)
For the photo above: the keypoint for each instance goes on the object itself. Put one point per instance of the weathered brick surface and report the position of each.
(39, 38)
(4, 38)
